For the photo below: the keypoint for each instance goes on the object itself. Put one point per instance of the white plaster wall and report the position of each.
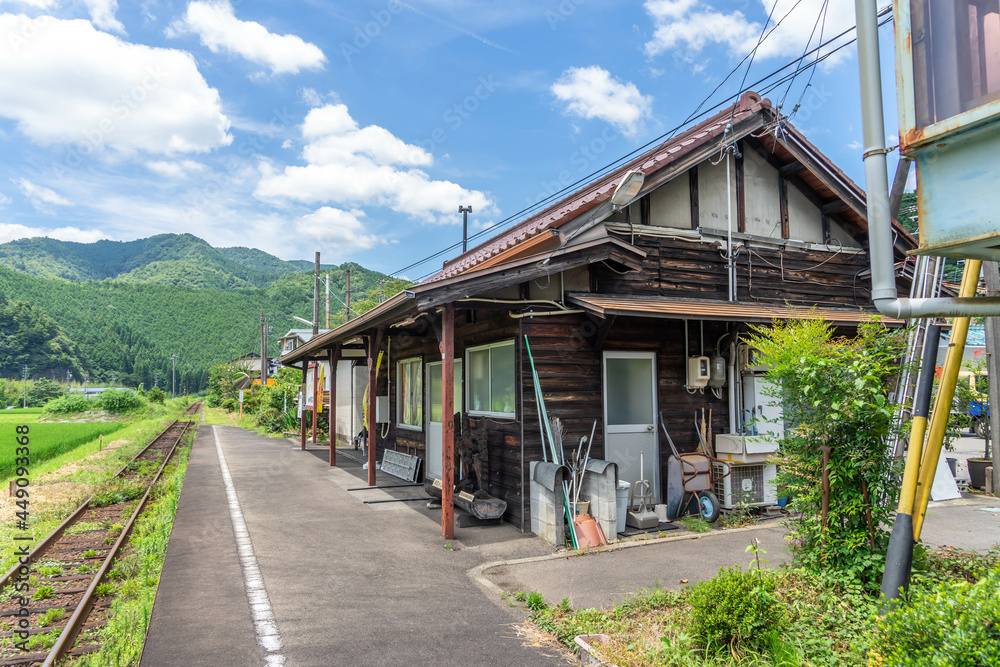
(763, 206)
(712, 206)
(805, 222)
(837, 232)
(670, 204)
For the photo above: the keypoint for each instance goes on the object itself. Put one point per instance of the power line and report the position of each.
(885, 11)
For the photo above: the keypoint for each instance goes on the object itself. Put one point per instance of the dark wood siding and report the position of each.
(472, 328)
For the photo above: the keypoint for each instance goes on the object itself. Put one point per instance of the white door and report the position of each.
(630, 417)
(432, 466)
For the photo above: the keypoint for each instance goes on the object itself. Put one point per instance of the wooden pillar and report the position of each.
(302, 404)
(315, 399)
(448, 422)
(374, 343)
(334, 359)
(783, 207)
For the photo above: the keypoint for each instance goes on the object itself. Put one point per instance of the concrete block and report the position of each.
(989, 480)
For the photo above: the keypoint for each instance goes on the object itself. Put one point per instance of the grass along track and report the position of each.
(69, 566)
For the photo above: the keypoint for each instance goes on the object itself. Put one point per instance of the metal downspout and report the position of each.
(877, 185)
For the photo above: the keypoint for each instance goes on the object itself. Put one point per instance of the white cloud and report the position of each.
(41, 198)
(311, 97)
(102, 14)
(591, 92)
(72, 84)
(4, 199)
(355, 166)
(11, 232)
(216, 25)
(175, 170)
(692, 25)
(40, 4)
(854, 145)
(342, 229)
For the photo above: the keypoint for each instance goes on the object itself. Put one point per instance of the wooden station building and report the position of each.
(738, 220)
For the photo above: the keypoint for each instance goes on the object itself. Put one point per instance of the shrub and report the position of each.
(835, 390)
(119, 401)
(68, 404)
(735, 610)
(43, 391)
(156, 395)
(955, 624)
(230, 404)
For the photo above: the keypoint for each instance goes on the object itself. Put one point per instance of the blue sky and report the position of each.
(357, 129)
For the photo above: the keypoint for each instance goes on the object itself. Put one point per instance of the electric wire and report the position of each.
(885, 13)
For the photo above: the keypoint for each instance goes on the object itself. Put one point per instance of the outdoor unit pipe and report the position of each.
(877, 184)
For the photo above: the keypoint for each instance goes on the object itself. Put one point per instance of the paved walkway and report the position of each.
(335, 581)
(347, 583)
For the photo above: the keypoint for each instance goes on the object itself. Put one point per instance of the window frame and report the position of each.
(399, 393)
(468, 379)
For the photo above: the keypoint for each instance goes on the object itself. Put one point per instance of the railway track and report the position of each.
(67, 589)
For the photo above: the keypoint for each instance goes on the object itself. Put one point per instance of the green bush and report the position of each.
(119, 401)
(156, 395)
(736, 610)
(956, 624)
(230, 404)
(68, 404)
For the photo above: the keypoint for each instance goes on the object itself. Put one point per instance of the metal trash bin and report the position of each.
(621, 500)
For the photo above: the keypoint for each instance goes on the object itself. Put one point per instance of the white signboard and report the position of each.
(241, 395)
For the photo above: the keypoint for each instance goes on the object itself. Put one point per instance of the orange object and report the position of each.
(588, 534)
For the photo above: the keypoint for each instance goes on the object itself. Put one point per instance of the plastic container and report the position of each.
(621, 498)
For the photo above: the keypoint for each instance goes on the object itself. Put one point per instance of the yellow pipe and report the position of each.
(946, 393)
(907, 494)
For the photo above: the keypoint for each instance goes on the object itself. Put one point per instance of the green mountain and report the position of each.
(124, 308)
(166, 259)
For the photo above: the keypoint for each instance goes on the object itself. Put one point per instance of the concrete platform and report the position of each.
(348, 583)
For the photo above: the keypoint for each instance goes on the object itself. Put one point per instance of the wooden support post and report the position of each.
(334, 359)
(783, 207)
(302, 404)
(374, 343)
(448, 422)
(315, 399)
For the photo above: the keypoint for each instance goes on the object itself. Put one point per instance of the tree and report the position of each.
(835, 392)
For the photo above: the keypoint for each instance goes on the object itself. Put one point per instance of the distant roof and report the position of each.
(305, 334)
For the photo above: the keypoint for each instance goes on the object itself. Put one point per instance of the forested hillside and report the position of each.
(127, 310)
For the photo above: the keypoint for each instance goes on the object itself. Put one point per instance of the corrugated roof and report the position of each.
(604, 305)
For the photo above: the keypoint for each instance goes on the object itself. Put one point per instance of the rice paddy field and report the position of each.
(45, 440)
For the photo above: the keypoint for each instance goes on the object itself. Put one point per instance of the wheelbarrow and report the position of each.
(691, 481)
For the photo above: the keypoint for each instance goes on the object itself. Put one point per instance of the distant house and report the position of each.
(632, 309)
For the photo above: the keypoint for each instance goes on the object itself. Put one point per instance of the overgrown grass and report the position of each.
(137, 575)
(47, 441)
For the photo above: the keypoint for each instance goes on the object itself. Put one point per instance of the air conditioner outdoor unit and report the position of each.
(749, 484)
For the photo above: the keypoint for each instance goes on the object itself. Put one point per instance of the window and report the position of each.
(410, 400)
(490, 380)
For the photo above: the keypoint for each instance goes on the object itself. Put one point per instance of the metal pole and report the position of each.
(347, 299)
(877, 184)
(465, 211)
(992, 276)
(334, 359)
(327, 281)
(302, 405)
(263, 350)
(899, 556)
(24, 375)
(316, 296)
(173, 376)
(942, 405)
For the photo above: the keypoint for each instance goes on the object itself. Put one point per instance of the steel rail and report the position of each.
(58, 531)
(83, 608)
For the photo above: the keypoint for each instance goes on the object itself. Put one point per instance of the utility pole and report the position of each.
(316, 296)
(465, 211)
(263, 349)
(24, 376)
(992, 276)
(173, 376)
(327, 299)
(347, 300)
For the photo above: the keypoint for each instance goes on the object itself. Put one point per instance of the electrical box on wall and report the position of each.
(717, 373)
(381, 409)
(699, 371)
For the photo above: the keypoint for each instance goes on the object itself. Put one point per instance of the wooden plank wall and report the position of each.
(472, 328)
(570, 373)
(682, 269)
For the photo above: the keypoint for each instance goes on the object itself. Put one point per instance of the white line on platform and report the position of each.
(263, 617)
